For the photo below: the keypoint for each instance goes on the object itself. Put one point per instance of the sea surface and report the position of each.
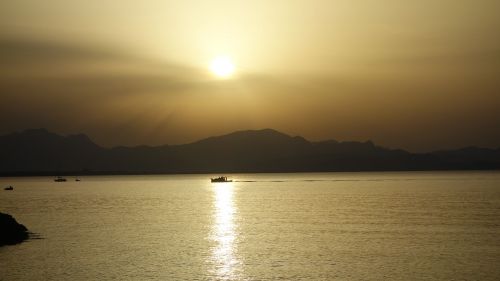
(312, 226)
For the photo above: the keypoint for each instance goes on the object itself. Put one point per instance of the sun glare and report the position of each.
(222, 67)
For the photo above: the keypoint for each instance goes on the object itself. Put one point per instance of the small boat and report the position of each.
(10, 187)
(77, 179)
(59, 179)
(220, 179)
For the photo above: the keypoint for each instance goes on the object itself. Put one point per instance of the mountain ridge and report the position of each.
(38, 151)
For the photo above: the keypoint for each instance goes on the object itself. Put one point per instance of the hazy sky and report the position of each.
(419, 75)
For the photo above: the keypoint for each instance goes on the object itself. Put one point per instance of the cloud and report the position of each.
(25, 51)
(59, 70)
(37, 57)
(57, 67)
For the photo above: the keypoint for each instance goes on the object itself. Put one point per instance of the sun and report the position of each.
(222, 66)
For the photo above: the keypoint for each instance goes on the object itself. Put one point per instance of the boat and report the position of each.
(59, 179)
(77, 179)
(10, 187)
(220, 179)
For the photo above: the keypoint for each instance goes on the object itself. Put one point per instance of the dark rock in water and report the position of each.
(11, 232)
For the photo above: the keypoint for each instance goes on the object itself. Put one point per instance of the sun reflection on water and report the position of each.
(224, 256)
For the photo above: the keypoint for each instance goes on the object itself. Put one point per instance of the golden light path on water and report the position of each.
(224, 255)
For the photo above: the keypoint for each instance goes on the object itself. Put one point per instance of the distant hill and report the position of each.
(38, 151)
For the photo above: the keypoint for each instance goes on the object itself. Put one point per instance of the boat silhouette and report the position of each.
(220, 179)
(59, 179)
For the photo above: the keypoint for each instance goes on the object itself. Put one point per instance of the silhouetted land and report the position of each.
(11, 232)
(39, 152)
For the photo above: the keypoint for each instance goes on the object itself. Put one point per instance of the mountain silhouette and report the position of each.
(38, 151)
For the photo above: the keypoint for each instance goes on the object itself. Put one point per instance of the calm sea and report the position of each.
(315, 226)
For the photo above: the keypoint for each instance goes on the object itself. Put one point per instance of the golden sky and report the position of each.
(418, 75)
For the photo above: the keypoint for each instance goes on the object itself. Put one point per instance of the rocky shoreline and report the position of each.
(11, 232)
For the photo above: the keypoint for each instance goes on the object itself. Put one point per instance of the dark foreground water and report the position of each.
(332, 226)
